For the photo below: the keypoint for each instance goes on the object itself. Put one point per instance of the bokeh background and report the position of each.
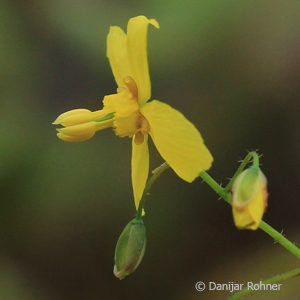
(232, 67)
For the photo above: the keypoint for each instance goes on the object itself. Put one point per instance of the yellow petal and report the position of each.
(177, 140)
(125, 110)
(137, 54)
(117, 54)
(139, 168)
(122, 104)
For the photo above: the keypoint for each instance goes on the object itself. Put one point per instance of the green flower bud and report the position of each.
(130, 248)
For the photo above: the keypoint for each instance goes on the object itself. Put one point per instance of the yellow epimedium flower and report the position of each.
(177, 140)
(249, 198)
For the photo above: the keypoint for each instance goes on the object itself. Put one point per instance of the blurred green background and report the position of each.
(232, 67)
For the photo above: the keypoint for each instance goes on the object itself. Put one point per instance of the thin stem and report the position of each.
(271, 280)
(156, 173)
(242, 166)
(255, 159)
(277, 236)
(215, 186)
(223, 193)
(280, 238)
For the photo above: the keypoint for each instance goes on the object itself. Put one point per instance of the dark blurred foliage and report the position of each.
(230, 66)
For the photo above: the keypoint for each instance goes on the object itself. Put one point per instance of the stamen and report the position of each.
(144, 125)
(143, 129)
(138, 138)
(131, 85)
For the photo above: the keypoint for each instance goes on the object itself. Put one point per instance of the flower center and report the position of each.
(128, 120)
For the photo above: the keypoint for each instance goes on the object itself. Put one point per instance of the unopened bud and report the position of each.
(249, 198)
(130, 248)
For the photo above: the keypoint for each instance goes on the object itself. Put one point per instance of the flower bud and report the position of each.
(249, 198)
(130, 248)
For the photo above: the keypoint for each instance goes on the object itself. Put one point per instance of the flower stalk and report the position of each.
(155, 174)
(277, 236)
(275, 279)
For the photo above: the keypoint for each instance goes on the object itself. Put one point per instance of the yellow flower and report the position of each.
(177, 140)
(249, 198)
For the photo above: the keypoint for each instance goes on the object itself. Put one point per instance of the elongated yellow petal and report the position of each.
(139, 168)
(177, 140)
(137, 54)
(117, 54)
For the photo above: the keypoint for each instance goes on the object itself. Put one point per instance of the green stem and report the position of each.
(255, 159)
(242, 166)
(271, 280)
(156, 173)
(292, 248)
(280, 238)
(215, 186)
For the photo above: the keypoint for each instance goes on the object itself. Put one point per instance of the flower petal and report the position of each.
(177, 140)
(121, 104)
(117, 54)
(137, 54)
(139, 168)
